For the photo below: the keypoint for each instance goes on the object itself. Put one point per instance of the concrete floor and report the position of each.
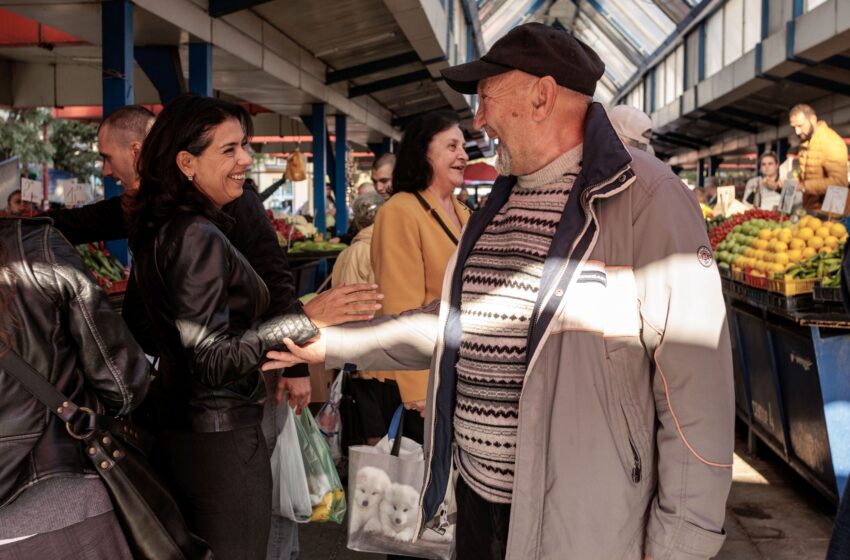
(772, 514)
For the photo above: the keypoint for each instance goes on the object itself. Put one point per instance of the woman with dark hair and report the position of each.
(206, 303)
(52, 505)
(415, 234)
(765, 190)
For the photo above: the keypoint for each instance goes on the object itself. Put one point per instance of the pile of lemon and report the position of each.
(781, 246)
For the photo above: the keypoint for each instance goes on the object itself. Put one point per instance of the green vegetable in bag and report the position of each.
(326, 493)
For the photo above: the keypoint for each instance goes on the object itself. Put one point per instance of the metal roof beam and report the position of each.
(389, 83)
(820, 83)
(838, 61)
(727, 121)
(669, 140)
(161, 64)
(218, 8)
(334, 76)
(404, 120)
(748, 115)
(687, 138)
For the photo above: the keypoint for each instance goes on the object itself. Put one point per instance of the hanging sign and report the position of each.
(835, 200)
(32, 191)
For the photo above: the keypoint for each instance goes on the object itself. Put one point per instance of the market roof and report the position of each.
(623, 32)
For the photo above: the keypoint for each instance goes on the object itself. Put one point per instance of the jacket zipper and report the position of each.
(636, 468)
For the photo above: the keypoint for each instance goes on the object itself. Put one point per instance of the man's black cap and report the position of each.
(536, 49)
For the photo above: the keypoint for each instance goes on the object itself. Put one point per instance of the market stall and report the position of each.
(790, 338)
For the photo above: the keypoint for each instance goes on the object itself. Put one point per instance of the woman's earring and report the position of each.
(190, 177)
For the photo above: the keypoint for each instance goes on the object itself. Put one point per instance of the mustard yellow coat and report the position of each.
(410, 252)
(823, 162)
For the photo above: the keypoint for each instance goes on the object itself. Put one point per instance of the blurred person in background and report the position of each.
(365, 187)
(633, 126)
(823, 156)
(354, 265)
(463, 197)
(60, 322)
(416, 232)
(14, 204)
(382, 174)
(764, 190)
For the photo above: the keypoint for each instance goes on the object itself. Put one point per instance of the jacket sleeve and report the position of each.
(113, 364)
(833, 160)
(101, 221)
(393, 342)
(253, 235)
(196, 280)
(686, 336)
(399, 267)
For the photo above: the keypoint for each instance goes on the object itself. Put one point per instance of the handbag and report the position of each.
(152, 522)
(384, 488)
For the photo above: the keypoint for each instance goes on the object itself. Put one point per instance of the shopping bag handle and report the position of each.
(396, 430)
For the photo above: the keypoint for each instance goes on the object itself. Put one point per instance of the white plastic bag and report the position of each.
(290, 493)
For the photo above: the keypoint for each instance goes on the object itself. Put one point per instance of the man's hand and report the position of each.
(357, 302)
(416, 405)
(311, 353)
(298, 391)
(801, 186)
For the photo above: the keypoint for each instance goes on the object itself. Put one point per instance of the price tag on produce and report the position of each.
(725, 198)
(32, 191)
(786, 200)
(835, 200)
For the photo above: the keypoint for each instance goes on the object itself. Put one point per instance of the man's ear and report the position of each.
(543, 94)
(186, 163)
(136, 148)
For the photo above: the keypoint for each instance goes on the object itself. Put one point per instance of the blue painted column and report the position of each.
(319, 130)
(200, 68)
(117, 46)
(701, 172)
(340, 179)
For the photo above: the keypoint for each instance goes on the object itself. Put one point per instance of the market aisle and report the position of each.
(772, 514)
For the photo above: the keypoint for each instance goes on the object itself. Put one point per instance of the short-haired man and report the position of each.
(823, 156)
(582, 365)
(382, 174)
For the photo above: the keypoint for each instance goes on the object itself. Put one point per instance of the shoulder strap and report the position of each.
(38, 386)
(77, 419)
(436, 215)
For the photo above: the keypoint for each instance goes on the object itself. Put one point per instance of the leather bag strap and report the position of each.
(436, 215)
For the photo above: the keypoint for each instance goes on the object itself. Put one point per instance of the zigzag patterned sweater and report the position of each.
(501, 280)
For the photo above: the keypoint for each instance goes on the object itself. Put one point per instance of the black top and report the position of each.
(250, 233)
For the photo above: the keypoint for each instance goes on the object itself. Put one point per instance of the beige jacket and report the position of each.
(353, 265)
(626, 416)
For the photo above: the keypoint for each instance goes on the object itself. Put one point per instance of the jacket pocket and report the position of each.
(624, 426)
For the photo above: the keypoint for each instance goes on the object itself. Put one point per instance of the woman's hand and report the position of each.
(416, 405)
(298, 390)
(357, 302)
(311, 353)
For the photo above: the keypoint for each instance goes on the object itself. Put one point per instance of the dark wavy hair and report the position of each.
(413, 171)
(186, 124)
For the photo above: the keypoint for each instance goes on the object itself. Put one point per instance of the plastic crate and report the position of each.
(738, 275)
(759, 282)
(827, 295)
(725, 272)
(790, 304)
(792, 286)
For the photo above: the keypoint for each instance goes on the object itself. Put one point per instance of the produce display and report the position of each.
(825, 266)
(107, 270)
(316, 247)
(768, 248)
(292, 229)
(720, 227)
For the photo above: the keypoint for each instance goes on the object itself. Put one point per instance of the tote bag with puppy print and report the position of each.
(384, 482)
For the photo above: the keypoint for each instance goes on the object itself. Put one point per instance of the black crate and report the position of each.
(790, 304)
(827, 295)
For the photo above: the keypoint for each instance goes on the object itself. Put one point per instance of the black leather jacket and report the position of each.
(206, 305)
(60, 322)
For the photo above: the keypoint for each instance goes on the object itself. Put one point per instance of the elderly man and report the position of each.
(582, 364)
(823, 156)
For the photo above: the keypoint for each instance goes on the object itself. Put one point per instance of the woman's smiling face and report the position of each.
(219, 171)
(448, 158)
